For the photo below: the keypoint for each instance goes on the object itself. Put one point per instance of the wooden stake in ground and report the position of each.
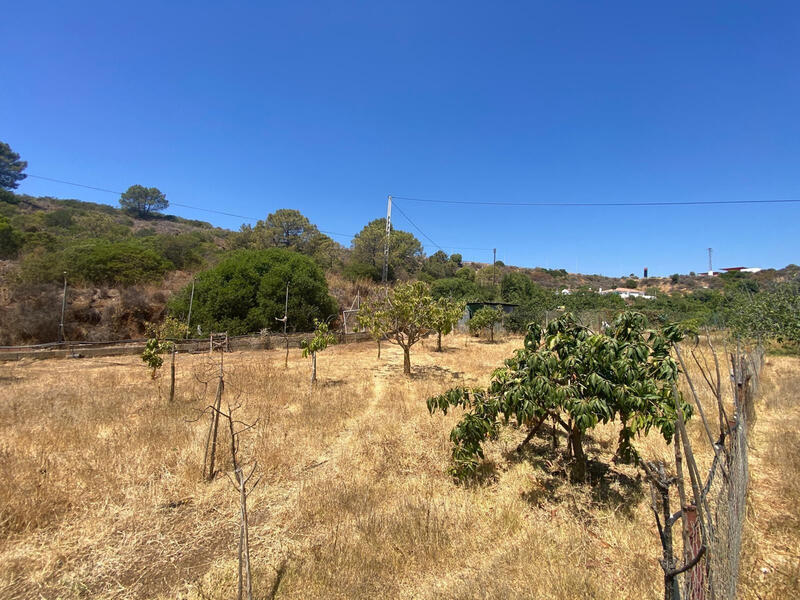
(211, 438)
(172, 375)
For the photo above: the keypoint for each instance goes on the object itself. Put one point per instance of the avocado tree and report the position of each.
(406, 313)
(576, 378)
(445, 314)
(321, 340)
(486, 318)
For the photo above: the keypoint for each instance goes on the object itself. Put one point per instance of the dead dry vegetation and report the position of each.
(103, 494)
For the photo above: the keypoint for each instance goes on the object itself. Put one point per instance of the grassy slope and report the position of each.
(104, 499)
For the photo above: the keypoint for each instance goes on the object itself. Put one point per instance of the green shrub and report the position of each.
(245, 292)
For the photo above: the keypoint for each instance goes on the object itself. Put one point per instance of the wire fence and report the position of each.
(713, 504)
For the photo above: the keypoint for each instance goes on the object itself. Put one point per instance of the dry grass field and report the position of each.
(102, 494)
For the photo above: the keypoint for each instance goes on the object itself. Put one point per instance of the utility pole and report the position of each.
(189, 318)
(63, 308)
(385, 275)
(710, 268)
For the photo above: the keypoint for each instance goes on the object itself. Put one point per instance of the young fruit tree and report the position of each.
(321, 340)
(159, 342)
(407, 314)
(486, 318)
(372, 318)
(576, 378)
(444, 316)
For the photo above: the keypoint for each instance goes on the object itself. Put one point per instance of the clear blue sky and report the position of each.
(329, 107)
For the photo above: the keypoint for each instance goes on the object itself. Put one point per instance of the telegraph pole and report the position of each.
(385, 275)
(63, 308)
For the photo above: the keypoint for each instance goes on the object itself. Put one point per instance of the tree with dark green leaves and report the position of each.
(246, 292)
(516, 287)
(143, 200)
(576, 378)
(405, 250)
(289, 228)
(773, 313)
(11, 168)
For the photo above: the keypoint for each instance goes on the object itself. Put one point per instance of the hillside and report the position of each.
(122, 268)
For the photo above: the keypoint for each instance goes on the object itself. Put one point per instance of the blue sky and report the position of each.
(329, 107)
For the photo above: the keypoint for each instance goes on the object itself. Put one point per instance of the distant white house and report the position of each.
(627, 293)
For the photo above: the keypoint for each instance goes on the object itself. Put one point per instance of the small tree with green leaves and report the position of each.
(321, 340)
(576, 378)
(160, 341)
(372, 318)
(445, 314)
(486, 318)
(407, 314)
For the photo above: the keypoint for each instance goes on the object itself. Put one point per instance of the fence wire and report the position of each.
(725, 490)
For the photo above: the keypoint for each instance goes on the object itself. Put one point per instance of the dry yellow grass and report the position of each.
(103, 497)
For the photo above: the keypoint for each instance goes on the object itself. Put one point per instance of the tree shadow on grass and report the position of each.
(435, 372)
(607, 485)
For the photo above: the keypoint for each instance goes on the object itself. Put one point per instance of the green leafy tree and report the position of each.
(770, 314)
(321, 340)
(246, 292)
(289, 228)
(486, 318)
(577, 379)
(407, 314)
(373, 318)
(444, 316)
(11, 168)
(438, 265)
(405, 250)
(143, 200)
(160, 341)
(516, 287)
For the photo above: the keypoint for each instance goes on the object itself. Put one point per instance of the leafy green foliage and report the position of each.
(405, 250)
(143, 200)
(246, 291)
(10, 239)
(11, 168)
(438, 265)
(321, 340)
(444, 316)
(461, 288)
(773, 313)
(578, 379)
(486, 318)
(406, 314)
(160, 341)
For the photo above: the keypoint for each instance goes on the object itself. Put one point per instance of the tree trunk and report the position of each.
(406, 361)
(439, 341)
(578, 456)
(313, 368)
(379, 348)
(491, 333)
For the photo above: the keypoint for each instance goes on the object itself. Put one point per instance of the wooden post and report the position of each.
(697, 574)
(172, 374)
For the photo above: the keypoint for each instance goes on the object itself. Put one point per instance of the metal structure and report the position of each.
(349, 316)
(385, 274)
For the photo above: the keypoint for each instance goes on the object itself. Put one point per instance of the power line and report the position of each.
(208, 210)
(416, 226)
(587, 204)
